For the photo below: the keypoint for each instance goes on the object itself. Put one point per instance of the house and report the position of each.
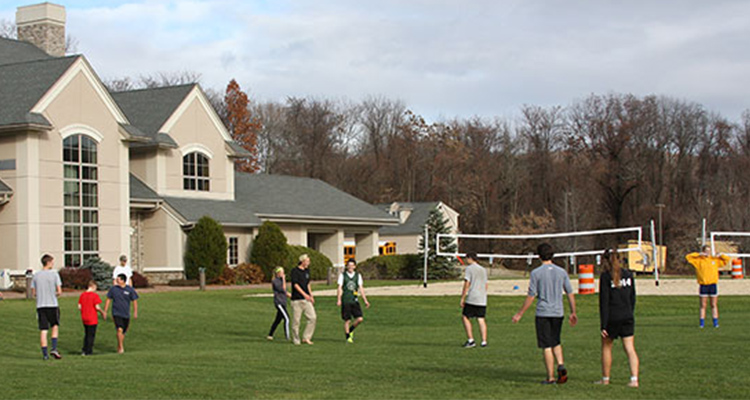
(85, 172)
(412, 218)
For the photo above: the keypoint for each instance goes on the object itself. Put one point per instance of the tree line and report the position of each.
(604, 161)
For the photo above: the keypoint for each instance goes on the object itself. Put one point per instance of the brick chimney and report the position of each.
(44, 26)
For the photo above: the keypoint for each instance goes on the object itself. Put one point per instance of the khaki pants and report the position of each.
(298, 308)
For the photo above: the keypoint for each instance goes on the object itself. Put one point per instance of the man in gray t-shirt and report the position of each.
(474, 300)
(46, 286)
(547, 283)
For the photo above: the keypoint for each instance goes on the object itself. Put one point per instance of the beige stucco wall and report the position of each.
(195, 127)
(78, 108)
(245, 237)
(9, 211)
(405, 244)
(163, 242)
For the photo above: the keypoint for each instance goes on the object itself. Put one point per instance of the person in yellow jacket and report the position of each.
(707, 272)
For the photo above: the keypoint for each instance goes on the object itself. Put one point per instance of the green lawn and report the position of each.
(212, 345)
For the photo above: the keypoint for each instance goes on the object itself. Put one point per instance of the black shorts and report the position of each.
(621, 329)
(548, 331)
(121, 322)
(48, 316)
(472, 311)
(350, 310)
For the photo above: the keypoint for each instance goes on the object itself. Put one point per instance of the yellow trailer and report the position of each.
(635, 261)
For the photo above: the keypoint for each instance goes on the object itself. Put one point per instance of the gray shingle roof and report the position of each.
(23, 85)
(226, 212)
(149, 109)
(278, 195)
(15, 51)
(415, 223)
(238, 150)
(5, 188)
(141, 191)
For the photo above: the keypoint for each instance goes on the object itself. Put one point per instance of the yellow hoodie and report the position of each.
(707, 267)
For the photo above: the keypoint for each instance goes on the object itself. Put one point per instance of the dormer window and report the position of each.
(195, 172)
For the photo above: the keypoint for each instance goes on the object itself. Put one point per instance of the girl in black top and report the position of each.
(616, 304)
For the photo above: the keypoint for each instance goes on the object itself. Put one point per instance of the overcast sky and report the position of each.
(443, 58)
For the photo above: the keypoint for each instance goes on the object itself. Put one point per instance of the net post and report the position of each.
(653, 254)
(426, 253)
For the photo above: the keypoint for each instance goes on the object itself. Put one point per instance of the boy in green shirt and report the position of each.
(350, 287)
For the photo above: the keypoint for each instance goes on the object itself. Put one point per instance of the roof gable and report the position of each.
(420, 212)
(149, 109)
(25, 84)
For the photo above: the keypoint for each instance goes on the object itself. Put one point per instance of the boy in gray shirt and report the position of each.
(46, 286)
(548, 282)
(474, 300)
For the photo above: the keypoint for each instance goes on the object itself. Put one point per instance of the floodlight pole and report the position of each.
(426, 252)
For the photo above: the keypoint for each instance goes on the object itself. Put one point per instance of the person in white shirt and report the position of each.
(123, 268)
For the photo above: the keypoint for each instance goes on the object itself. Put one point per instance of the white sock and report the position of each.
(633, 379)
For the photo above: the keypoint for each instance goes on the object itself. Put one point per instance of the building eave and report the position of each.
(328, 220)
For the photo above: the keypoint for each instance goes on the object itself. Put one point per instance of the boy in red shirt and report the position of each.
(88, 303)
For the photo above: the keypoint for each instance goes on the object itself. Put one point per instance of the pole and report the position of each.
(654, 255)
(703, 234)
(426, 253)
(659, 245)
(202, 277)
(29, 278)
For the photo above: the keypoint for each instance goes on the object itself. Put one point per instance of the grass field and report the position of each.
(212, 345)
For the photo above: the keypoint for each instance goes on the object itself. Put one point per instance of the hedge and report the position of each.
(395, 266)
(319, 263)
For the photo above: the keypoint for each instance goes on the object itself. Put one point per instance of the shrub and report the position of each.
(227, 277)
(319, 263)
(206, 248)
(249, 273)
(101, 272)
(397, 266)
(183, 282)
(139, 281)
(269, 248)
(438, 267)
(75, 278)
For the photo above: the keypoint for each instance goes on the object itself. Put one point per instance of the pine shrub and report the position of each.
(101, 272)
(206, 248)
(269, 249)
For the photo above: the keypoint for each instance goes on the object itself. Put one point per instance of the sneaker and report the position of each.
(546, 382)
(633, 384)
(269, 337)
(350, 339)
(562, 375)
(469, 344)
(56, 354)
(45, 358)
(484, 344)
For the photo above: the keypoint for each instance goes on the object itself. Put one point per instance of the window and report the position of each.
(80, 199)
(233, 250)
(195, 172)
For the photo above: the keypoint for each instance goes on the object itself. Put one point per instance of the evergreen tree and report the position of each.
(206, 248)
(438, 267)
(269, 248)
(101, 272)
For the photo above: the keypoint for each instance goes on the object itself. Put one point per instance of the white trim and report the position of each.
(163, 269)
(80, 66)
(196, 94)
(81, 129)
(196, 147)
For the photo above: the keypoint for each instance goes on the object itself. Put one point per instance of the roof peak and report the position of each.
(157, 88)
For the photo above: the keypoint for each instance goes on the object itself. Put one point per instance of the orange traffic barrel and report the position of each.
(586, 279)
(737, 269)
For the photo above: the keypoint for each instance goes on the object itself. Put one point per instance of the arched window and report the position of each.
(195, 172)
(81, 199)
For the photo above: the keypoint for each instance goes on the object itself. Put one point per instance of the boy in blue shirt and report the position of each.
(121, 296)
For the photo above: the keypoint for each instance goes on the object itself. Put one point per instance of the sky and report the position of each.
(442, 58)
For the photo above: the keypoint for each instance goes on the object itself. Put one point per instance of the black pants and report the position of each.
(281, 314)
(88, 339)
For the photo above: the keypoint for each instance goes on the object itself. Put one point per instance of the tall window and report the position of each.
(233, 250)
(81, 200)
(195, 172)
